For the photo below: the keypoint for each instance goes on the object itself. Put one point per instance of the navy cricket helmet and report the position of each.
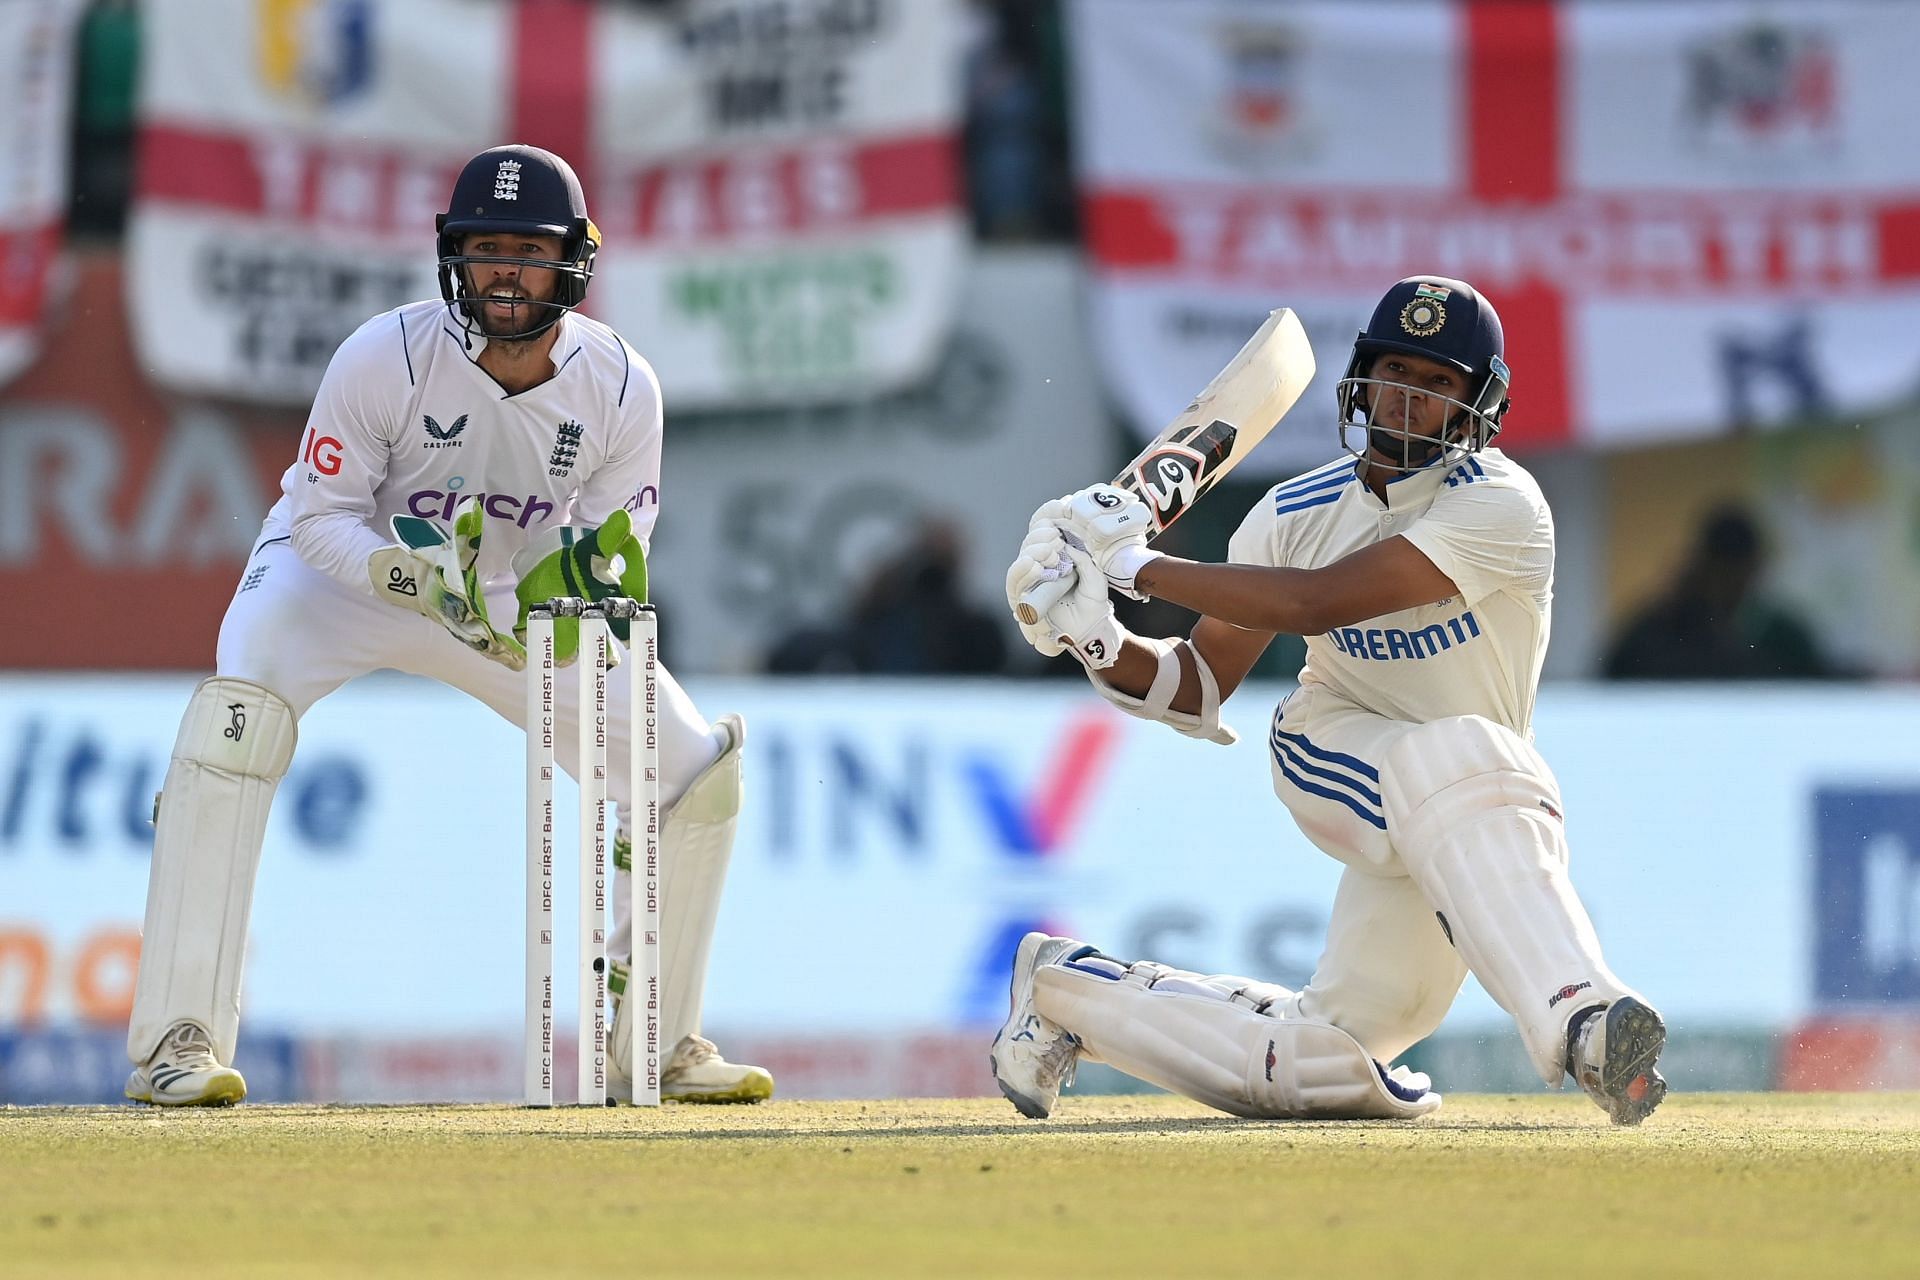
(520, 190)
(1444, 320)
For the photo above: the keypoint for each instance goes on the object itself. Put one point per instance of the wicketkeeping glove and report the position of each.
(433, 574)
(589, 562)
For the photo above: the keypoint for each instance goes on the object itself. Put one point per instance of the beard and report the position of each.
(510, 324)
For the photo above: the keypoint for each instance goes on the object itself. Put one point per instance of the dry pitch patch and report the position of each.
(1713, 1185)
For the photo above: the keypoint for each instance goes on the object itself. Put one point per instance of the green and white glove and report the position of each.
(434, 575)
(589, 562)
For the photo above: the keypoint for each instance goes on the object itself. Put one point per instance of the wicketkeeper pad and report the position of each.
(236, 741)
(696, 844)
(1204, 1038)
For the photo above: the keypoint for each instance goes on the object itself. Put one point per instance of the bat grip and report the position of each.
(1041, 597)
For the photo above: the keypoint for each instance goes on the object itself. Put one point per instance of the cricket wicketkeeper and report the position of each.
(465, 456)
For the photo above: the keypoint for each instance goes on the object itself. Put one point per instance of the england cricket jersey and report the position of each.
(1484, 523)
(406, 423)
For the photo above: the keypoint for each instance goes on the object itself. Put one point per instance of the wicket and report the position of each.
(643, 986)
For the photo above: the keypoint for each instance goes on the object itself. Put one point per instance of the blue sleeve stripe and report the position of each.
(626, 372)
(1319, 501)
(1325, 794)
(403, 346)
(1354, 763)
(1292, 756)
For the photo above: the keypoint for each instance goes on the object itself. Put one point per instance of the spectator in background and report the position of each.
(909, 619)
(1712, 624)
(1018, 176)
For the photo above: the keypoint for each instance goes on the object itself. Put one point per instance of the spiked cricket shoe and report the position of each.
(184, 1073)
(1032, 1057)
(1614, 1060)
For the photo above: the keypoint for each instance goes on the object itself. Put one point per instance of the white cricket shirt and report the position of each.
(406, 423)
(1485, 524)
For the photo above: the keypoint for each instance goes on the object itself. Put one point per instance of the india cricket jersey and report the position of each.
(1484, 523)
(406, 423)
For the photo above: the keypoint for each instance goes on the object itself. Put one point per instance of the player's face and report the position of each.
(505, 287)
(1416, 403)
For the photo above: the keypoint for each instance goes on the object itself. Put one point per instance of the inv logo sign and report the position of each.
(1866, 894)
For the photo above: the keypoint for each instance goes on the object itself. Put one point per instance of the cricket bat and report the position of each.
(1211, 436)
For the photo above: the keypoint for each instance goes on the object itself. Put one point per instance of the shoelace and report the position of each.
(1061, 1057)
(698, 1049)
(190, 1047)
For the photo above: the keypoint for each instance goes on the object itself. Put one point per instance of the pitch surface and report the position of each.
(1535, 1186)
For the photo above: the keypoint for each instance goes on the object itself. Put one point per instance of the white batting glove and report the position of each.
(1042, 559)
(1112, 526)
(1084, 617)
(1049, 514)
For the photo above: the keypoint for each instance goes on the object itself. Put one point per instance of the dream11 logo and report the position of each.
(1034, 827)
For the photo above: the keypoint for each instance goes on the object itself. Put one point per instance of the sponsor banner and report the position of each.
(906, 834)
(780, 199)
(118, 502)
(36, 83)
(784, 541)
(125, 516)
(1732, 230)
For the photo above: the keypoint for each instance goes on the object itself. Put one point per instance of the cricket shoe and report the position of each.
(695, 1071)
(1032, 1057)
(184, 1073)
(1613, 1059)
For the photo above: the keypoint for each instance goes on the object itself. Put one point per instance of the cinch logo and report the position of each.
(1036, 824)
(1384, 644)
(438, 504)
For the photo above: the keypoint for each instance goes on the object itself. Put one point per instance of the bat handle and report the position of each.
(1041, 597)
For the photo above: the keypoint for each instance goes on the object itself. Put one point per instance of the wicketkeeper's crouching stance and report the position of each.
(1420, 570)
(464, 456)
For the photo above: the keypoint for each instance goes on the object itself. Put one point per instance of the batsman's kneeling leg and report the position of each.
(1474, 813)
(1208, 1039)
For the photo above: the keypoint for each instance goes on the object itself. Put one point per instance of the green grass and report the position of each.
(1535, 1186)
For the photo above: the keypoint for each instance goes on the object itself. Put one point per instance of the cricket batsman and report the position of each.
(465, 456)
(1419, 568)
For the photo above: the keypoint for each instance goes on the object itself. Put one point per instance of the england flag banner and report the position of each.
(36, 83)
(781, 201)
(1691, 216)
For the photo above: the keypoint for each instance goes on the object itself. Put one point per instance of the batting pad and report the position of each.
(1184, 1034)
(236, 741)
(1474, 813)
